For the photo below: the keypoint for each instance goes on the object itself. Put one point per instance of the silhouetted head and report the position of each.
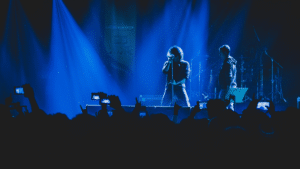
(215, 107)
(224, 51)
(177, 52)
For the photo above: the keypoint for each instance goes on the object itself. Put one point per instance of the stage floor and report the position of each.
(183, 112)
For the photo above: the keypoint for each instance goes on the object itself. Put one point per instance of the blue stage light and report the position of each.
(76, 69)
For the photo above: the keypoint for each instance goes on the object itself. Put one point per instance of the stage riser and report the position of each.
(183, 113)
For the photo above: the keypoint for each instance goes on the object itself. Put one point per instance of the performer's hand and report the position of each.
(172, 82)
(170, 58)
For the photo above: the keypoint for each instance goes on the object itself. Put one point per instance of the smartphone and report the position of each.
(105, 101)
(95, 96)
(263, 105)
(202, 105)
(142, 114)
(19, 90)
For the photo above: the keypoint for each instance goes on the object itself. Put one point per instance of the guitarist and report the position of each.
(177, 71)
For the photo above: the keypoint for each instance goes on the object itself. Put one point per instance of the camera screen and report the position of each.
(202, 105)
(105, 101)
(19, 90)
(95, 97)
(263, 105)
(142, 114)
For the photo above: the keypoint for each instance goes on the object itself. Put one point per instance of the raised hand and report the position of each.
(195, 110)
(176, 108)
(253, 104)
(102, 95)
(28, 91)
(137, 107)
(137, 103)
(84, 111)
(8, 100)
(115, 102)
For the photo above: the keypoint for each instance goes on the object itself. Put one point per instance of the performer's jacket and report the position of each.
(227, 76)
(181, 71)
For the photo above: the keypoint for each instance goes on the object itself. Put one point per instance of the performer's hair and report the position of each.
(175, 50)
(225, 49)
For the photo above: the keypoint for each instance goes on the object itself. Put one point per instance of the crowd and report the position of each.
(126, 139)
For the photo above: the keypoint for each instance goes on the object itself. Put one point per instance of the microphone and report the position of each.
(171, 57)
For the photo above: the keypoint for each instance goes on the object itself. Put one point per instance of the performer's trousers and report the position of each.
(223, 96)
(180, 96)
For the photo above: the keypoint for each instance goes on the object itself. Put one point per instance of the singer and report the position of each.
(177, 71)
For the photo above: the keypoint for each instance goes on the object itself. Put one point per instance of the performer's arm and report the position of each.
(180, 82)
(166, 66)
(232, 76)
(187, 70)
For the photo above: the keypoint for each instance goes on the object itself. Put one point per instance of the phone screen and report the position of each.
(95, 97)
(19, 90)
(142, 114)
(263, 105)
(105, 101)
(202, 105)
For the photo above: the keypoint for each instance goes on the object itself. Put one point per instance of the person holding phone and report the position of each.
(177, 71)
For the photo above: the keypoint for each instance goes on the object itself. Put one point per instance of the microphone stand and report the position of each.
(272, 80)
(260, 89)
(191, 75)
(191, 78)
(172, 84)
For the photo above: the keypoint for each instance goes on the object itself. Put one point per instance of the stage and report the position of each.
(183, 112)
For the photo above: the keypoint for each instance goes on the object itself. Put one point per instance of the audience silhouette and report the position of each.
(138, 139)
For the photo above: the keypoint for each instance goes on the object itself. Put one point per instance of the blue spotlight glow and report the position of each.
(227, 29)
(22, 59)
(75, 68)
(230, 30)
(179, 23)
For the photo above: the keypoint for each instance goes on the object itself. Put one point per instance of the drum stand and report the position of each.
(272, 80)
(246, 98)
